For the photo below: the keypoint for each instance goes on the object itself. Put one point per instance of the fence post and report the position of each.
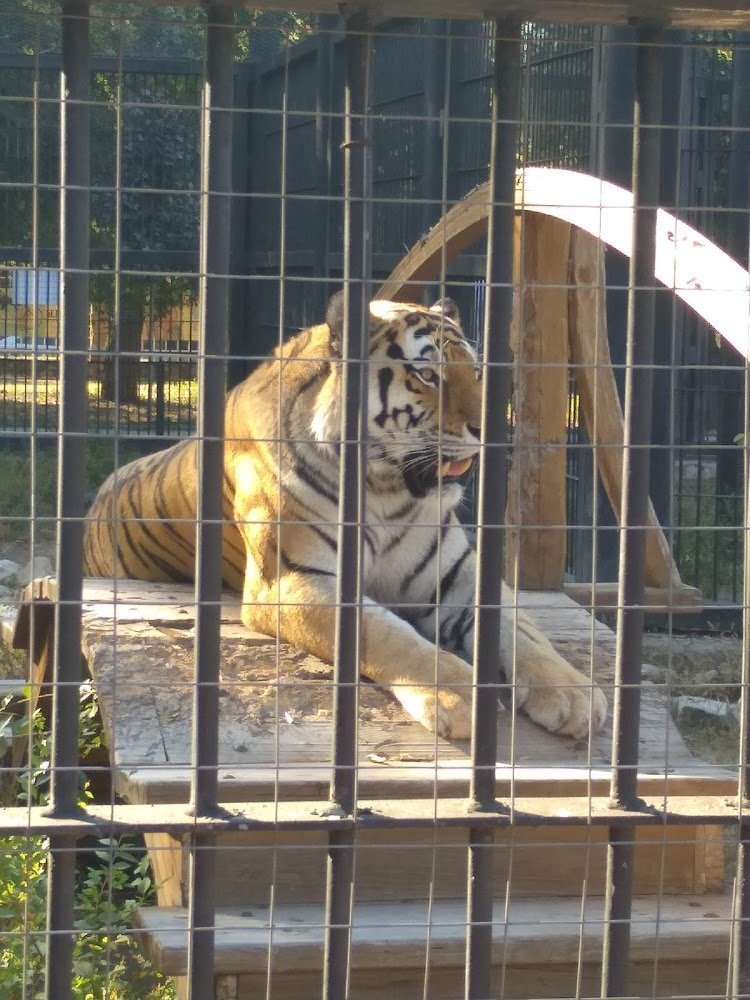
(216, 186)
(496, 388)
(354, 355)
(240, 295)
(74, 264)
(635, 504)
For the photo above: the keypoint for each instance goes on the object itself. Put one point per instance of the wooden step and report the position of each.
(679, 946)
(409, 864)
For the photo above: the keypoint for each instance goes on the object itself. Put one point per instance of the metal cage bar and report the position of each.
(74, 263)
(739, 978)
(496, 393)
(216, 184)
(352, 475)
(634, 514)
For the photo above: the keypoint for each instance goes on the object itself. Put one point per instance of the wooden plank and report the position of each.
(418, 781)
(144, 676)
(153, 725)
(711, 861)
(412, 864)
(275, 725)
(536, 515)
(33, 631)
(526, 932)
(662, 978)
(225, 988)
(165, 854)
(706, 14)
(122, 673)
(604, 596)
(561, 619)
(592, 368)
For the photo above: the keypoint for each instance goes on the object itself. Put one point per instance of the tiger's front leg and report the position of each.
(547, 688)
(434, 686)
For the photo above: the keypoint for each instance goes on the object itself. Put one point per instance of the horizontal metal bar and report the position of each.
(106, 64)
(561, 811)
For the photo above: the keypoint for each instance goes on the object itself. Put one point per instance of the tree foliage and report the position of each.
(144, 147)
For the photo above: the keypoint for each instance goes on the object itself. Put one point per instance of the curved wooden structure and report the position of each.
(695, 269)
(570, 215)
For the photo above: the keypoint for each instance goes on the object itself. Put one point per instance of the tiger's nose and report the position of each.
(474, 430)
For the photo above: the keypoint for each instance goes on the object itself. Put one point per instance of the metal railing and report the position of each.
(481, 815)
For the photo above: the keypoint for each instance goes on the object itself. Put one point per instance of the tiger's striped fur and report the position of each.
(281, 510)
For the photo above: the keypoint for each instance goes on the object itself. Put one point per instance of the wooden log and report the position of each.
(536, 516)
(462, 225)
(659, 600)
(705, 278)
(592, 368)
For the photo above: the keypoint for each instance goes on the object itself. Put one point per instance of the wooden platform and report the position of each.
(275, 739)
(276, 703)
(678, 947)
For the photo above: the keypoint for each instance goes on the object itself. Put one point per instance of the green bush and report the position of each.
(112, 881)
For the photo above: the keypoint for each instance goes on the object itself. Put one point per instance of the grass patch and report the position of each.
(23, 400)
(708, 667)
(708, 542)
(710, 743)
(28, 484)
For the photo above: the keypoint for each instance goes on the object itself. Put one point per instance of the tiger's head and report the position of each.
(424, 406)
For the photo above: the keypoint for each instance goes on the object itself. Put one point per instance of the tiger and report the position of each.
(281, 508)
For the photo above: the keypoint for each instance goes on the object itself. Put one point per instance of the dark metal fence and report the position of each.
(154, 327)
(710, 395)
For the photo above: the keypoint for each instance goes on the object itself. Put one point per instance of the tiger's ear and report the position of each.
(448, 308)
(335, 321)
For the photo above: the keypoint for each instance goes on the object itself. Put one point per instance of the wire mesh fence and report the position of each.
(379, 675)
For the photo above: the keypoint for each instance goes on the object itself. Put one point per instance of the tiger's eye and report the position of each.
(428, 375)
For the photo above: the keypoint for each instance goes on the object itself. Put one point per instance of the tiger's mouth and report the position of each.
(457, 468)
(423, 473)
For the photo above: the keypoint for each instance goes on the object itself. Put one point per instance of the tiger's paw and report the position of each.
(568, 709)
(441, 711)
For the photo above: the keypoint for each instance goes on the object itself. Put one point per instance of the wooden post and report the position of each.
(600, 402)
(536, 489)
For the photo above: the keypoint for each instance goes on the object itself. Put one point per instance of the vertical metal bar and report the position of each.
(323, 104)
(74, 262)
(354, 353)
(740, 951)
(434, 107)
(634, 515)
(496, 390)
(216, 186)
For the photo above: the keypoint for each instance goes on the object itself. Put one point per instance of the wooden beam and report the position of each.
(536, 541)
(592, 368)
(659, 600)
(697, 271)
(707, 14)
(573, 198)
